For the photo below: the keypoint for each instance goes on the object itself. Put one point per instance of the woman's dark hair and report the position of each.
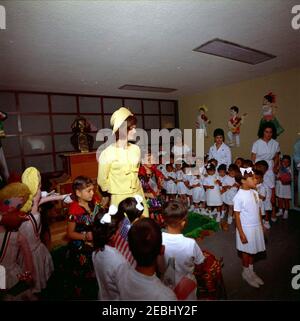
(102, 233)
(219, 132)
(145, 241)
(235, 108)
(128, 207)
(270, 98)
(239, 177)
(222, 167)
(80, 183)
(130, 121)
(174, 212)
(264, 127)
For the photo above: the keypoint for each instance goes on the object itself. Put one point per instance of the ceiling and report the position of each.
(94, 47)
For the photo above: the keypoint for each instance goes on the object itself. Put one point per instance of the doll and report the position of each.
(202, 120)
(234, 125)
(268, 113)
(19, 278)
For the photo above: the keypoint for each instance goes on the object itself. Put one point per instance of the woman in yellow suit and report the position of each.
(119, 162)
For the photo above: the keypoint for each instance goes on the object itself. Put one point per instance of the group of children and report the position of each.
(122, 250)
(209, 188)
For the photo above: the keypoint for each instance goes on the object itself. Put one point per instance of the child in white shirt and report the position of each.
(106, 258)
(141, 282)
(182, 254)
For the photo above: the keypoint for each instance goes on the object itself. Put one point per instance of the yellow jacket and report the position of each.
(118, 169)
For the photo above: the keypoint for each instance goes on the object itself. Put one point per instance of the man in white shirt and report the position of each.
(220, 151)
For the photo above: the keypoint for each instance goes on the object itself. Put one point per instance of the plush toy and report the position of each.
(234, 125)
(268, 113)
(202, 120)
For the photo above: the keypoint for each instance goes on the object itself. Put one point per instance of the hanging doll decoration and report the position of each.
(268, 113)
(234, 125)
(4, 173)
(202, 120)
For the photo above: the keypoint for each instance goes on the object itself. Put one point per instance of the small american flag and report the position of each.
(121, 243)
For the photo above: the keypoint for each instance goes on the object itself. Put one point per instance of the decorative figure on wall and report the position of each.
(202, 120)
(234, 125)
(81, 140)
(4, 173)
(268, 113)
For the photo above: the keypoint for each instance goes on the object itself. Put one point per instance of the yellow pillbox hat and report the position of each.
(118, 117)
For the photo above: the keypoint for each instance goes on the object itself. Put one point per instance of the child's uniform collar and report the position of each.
(76, 209)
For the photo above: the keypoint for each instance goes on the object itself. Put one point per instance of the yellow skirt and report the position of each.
(116, 199)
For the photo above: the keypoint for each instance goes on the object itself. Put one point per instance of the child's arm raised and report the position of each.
(239, 227)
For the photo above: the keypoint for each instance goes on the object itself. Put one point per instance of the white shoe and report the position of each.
(256, 278)
(274, 219)
(192, 207)
(214, 212)
(267, 225)
(222, 214)
(218, 218)
(247, 276)
(229, 219)
(286, 215)
(197, 210)
(280, 213)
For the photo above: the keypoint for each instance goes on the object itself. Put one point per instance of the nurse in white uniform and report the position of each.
(267, 148)
(219, 150)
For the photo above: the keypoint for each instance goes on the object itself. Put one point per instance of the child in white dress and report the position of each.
(182, 254)
(222, 174)
(231, 187)
(170, 182)
(198, 192)
(42, 259)
(213, 190)
(283, 186)
(263, 166)
(249, 226)
(261, 190)
(106, 258)
(180, 180)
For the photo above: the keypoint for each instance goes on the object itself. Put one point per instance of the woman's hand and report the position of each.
(89, 236)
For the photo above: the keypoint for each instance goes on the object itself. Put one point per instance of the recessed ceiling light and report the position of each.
(147, 88)
(230, 50)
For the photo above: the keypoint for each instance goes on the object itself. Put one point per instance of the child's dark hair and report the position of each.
(80, 183)
(239, 159)
(145, 240)
(239, 176)
(222, 167)
(287, 157)
(258, 173)
(174, 212)
(128, 207)
(213, 160)
(235, 108)
(262, 166)
(247, 163)
(102, 233)
(264, 127)
(210, 167)
(233, 167)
